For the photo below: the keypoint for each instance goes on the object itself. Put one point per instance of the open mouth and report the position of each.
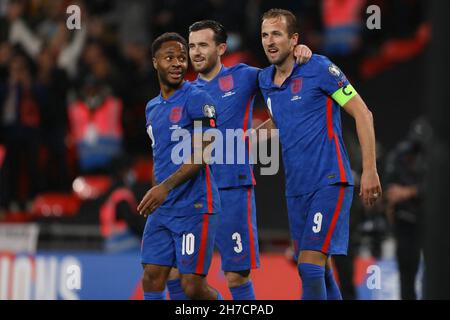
(272, 50)
(176, 75)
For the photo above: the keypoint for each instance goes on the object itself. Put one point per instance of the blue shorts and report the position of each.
(237, 235)
(319, 220)
(185, 242)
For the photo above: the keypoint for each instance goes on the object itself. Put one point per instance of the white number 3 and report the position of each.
(237, 237)
(318, 222)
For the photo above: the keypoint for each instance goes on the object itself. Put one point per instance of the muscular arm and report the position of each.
(153, 178)
(269, 127)
(370, 182)
(158, 194)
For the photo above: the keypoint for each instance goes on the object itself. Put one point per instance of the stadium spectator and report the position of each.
(404, 175)
(342, 26)
(52, 88)
(20, 121)
(95, 127)
(18, 29)
(95, 61)
(138, 87)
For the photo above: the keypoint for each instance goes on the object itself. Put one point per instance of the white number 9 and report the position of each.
(318, 222)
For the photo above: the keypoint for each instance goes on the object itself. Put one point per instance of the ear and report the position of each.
(154, 63)
(294, 39)
(222, 48)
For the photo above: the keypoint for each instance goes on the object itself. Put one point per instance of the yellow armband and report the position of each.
(344, 94)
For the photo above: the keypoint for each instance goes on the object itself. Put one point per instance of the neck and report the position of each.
(285, 69)
(167, 91)
(212, 73)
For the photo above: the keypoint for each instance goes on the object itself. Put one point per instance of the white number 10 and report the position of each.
(188, 244)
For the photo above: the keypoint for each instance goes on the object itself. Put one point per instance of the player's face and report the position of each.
(204, 51)
(171, 63)
(277, 43)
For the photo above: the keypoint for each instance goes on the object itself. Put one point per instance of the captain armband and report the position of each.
(344, 94)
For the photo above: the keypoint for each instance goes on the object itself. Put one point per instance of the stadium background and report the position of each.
(62, 204)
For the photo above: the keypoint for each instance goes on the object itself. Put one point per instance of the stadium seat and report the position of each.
(55, 204)
(142, 170)
(91, 187)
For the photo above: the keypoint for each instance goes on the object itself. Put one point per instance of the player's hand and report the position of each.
(152, 200)
(370, 189)
(302, 54)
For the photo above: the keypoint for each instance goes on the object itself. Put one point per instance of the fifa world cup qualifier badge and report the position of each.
(334, 70)
(210, 112)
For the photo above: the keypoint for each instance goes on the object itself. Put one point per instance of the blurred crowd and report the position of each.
(72, 101)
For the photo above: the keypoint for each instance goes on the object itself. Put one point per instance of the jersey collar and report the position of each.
(294, 72)
(177, 95)
(201, 82)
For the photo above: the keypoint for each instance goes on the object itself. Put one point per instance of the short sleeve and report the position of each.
(148, 126)
(334, 82)
(147, 111)
(252, 77)
(201, 107)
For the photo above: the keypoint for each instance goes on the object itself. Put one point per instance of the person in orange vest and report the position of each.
(96, 127)
(342, 26)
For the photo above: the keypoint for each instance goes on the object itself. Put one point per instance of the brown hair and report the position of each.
(291, 20)
(220, 35)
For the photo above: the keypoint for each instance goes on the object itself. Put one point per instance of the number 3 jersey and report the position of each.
(234, 90)
(170, 125)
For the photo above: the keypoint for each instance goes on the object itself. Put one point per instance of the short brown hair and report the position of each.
(291, 20)
(220, 35)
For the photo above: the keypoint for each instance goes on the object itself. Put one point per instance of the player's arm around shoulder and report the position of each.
(266, 131)
(268, 127)
(302, 54)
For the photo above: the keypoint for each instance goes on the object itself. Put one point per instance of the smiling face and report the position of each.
(204, 51)
(277, 43)
(171, 63)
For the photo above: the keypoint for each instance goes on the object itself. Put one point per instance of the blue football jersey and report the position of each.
(234, 90)
(177, 114)
(309, 121)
